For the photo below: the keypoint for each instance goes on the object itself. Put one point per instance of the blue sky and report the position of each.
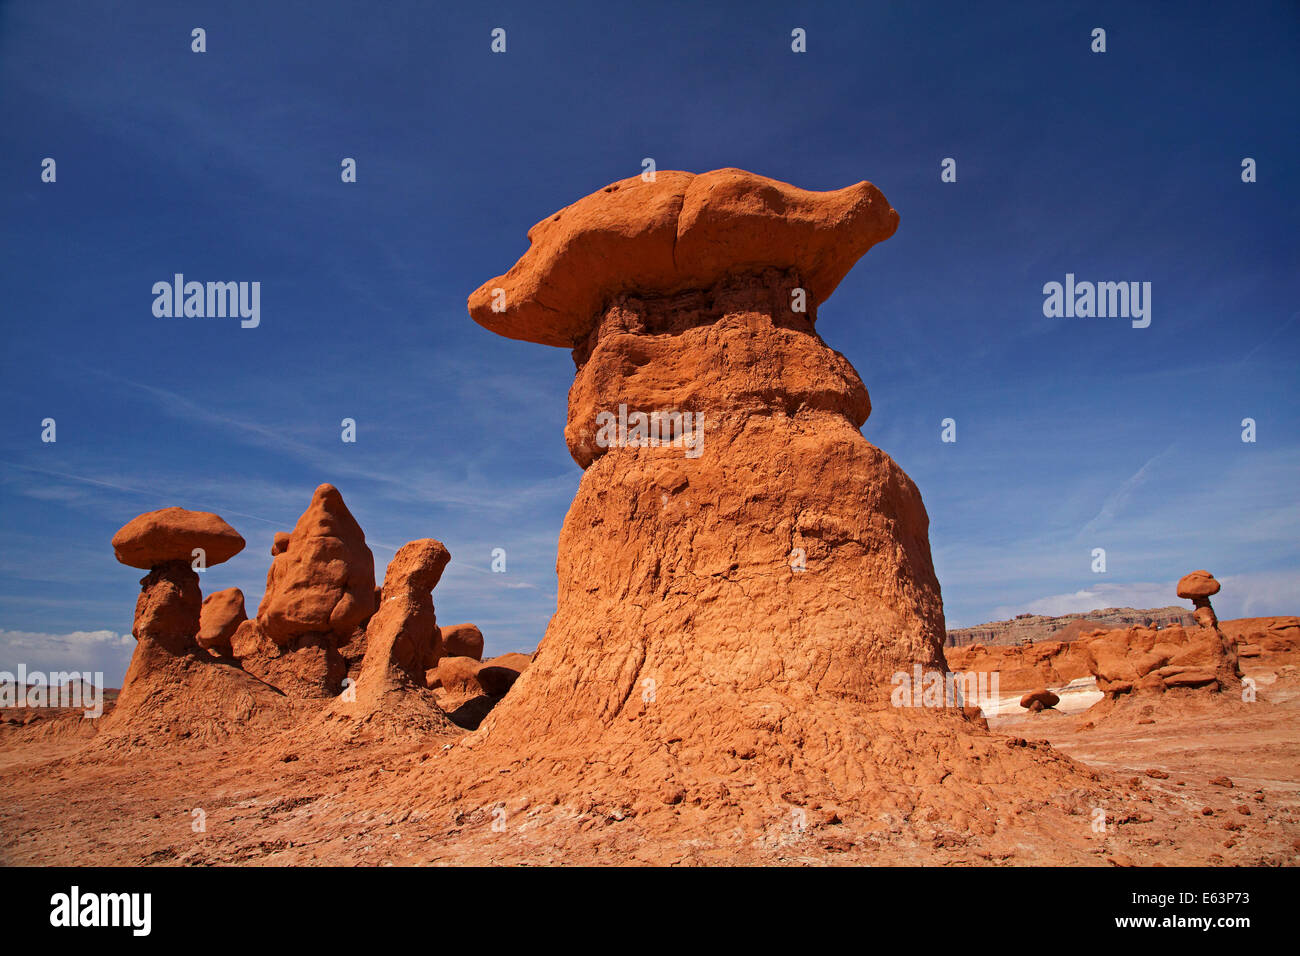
(1073, 434)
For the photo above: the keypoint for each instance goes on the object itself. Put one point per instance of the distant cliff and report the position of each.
(1028, 628)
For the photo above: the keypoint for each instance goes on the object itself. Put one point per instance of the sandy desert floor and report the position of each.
(1189, 782)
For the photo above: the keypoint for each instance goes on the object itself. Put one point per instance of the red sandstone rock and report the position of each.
(1141, 660)
(172, 687)
(462, 640)
(221, 614)
(727, 621)
(172, 535)
(320, 591)
(679, 232)
(401, 639)
(280, 543)
(324, 580)
(1042, 697)
(497, 675)
(308, 666)
(1198, 584)
(456, 675)
(403, 633)
(167, 611)
(1022, 667)
(1270, 641)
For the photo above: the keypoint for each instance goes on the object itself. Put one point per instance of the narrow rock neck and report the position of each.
(742, 348)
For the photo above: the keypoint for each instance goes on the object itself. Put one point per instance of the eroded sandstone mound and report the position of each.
(320, 591)
(323, 582)
(1023, 666)
(1273, 641)
(734, 600)
(462, 640)
(402, 642)
(1146, 661)
(219, 618)
(173, 687)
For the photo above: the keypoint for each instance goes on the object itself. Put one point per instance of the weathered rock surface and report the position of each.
(1266, 640)
(219, 617)
(308, 666)
(681, 231)
(324, 580)
(320, 590)
(1039, 700)
(462, 640)
(497, 675)
(728, 620)
(402, 639)
(172, 686)
(171, 535)
(1141, 660)
(1198, 586)
(1022, 667)
(456, 675)
(468, 689)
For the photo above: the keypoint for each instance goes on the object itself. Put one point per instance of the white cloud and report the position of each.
(1102, 595)
(104, 651)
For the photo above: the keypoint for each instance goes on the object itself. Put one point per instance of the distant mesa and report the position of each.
(1035, 628)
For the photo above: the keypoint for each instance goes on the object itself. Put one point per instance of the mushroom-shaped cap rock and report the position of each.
(1041, 696)
(681, 231)
(1198, 584)
(172, 534)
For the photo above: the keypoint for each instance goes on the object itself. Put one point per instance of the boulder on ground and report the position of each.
(462, 640)
(1039, 700)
